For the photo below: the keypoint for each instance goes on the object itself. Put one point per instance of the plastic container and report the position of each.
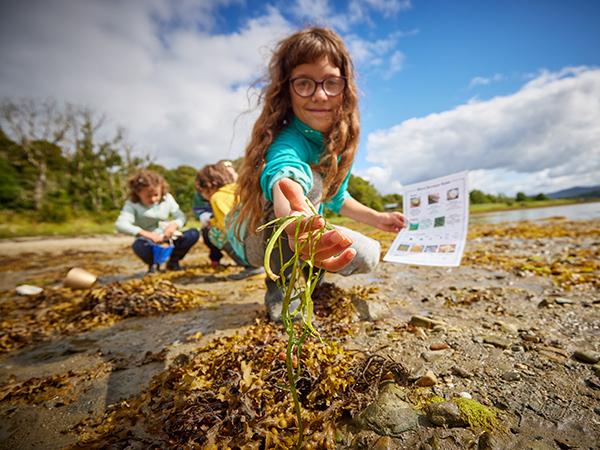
(161, 254)
(78, 278)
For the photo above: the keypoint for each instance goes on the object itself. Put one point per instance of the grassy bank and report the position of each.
(494, 207)
(14, 224)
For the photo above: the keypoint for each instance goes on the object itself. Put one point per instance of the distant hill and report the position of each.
(577, 192)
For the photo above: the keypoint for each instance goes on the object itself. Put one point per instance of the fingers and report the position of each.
(294, 194)
(331, 251)
(337, 263)
(311, 223)
(332, 243)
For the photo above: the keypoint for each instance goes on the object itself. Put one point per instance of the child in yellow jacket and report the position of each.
(216, 183)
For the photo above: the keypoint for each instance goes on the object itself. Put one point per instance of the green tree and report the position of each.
(540, 197)
(365, 192)
(477, 197)
(521, 197)
(38, 128)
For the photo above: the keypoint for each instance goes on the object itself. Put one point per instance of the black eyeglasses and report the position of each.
(306, 87)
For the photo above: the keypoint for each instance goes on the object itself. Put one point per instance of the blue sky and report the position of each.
(509, 90)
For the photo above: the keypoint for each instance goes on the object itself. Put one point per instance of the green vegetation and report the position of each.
(63, 173)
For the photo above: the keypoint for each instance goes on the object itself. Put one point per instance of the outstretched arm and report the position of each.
(386, 221)
(333, 250)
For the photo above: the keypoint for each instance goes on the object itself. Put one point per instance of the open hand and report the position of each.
(333, 251)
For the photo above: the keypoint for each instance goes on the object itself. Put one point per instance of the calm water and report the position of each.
(582, 211)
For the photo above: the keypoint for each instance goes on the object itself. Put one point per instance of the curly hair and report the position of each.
(215, 176)
(340, 142)
(144, 179)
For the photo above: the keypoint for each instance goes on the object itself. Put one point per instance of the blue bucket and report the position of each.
(161, 254)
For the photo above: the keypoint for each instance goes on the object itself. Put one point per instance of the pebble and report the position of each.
(563, 301)
(445, 414)
(465, 395)
(432, 356)
(506, 326)
(425, 322)
(439, 346)
(385, 443)
(496, 341)
(429, 379)
(460, 372)
(586, 356)
(511, 375)
(28, 289)
(596, 369)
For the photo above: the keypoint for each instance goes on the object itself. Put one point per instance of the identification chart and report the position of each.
(437, 217)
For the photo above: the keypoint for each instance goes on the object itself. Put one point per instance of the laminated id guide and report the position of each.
(437, 217)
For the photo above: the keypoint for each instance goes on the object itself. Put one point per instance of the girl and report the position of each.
(203, 210)
(303, 145)
(216, 182)
(146, 215)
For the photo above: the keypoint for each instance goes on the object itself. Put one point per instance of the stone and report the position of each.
(385, 443)
(439, 346)
(511, 375)
(460, 372)
(596, 369)
(28, 289)
(465, 395)
(432, 356)
(445, 414)
(563, 301)
(496, 341)
(586, 356)
(425, 322)
(487, 441)
(429, 379)
(507, 327)
(389, 415)
(370, 310)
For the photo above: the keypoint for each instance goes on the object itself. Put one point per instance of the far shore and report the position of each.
(22, 227)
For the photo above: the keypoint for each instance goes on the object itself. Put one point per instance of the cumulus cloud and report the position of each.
(153, 67)
(545, 136)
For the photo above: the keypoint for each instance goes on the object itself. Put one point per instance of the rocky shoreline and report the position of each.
(501, 352)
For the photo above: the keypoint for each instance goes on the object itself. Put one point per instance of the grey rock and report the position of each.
(511, 375)
(431, 356)
(389, 415)
(445, 414)
(487, 441)
(425, 322)
(460, 372)
(370, 310)
(586, 356)
(496, 341)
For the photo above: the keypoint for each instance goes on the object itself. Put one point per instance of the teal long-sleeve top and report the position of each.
(290, 155)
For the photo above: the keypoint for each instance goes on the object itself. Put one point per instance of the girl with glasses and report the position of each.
(302, 146)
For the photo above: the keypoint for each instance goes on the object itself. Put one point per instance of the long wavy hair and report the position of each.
(340, 142)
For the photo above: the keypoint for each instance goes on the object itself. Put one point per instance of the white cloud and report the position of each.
(483, 81)
(177, 89)
(544, 137)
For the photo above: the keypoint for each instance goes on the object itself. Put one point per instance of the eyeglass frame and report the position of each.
(317, 84)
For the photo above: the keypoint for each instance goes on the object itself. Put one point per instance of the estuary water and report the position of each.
(579, 211)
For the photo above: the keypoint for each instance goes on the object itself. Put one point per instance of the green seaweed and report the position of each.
(294, 290)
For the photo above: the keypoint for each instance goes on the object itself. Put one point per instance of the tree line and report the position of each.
(60, 160)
